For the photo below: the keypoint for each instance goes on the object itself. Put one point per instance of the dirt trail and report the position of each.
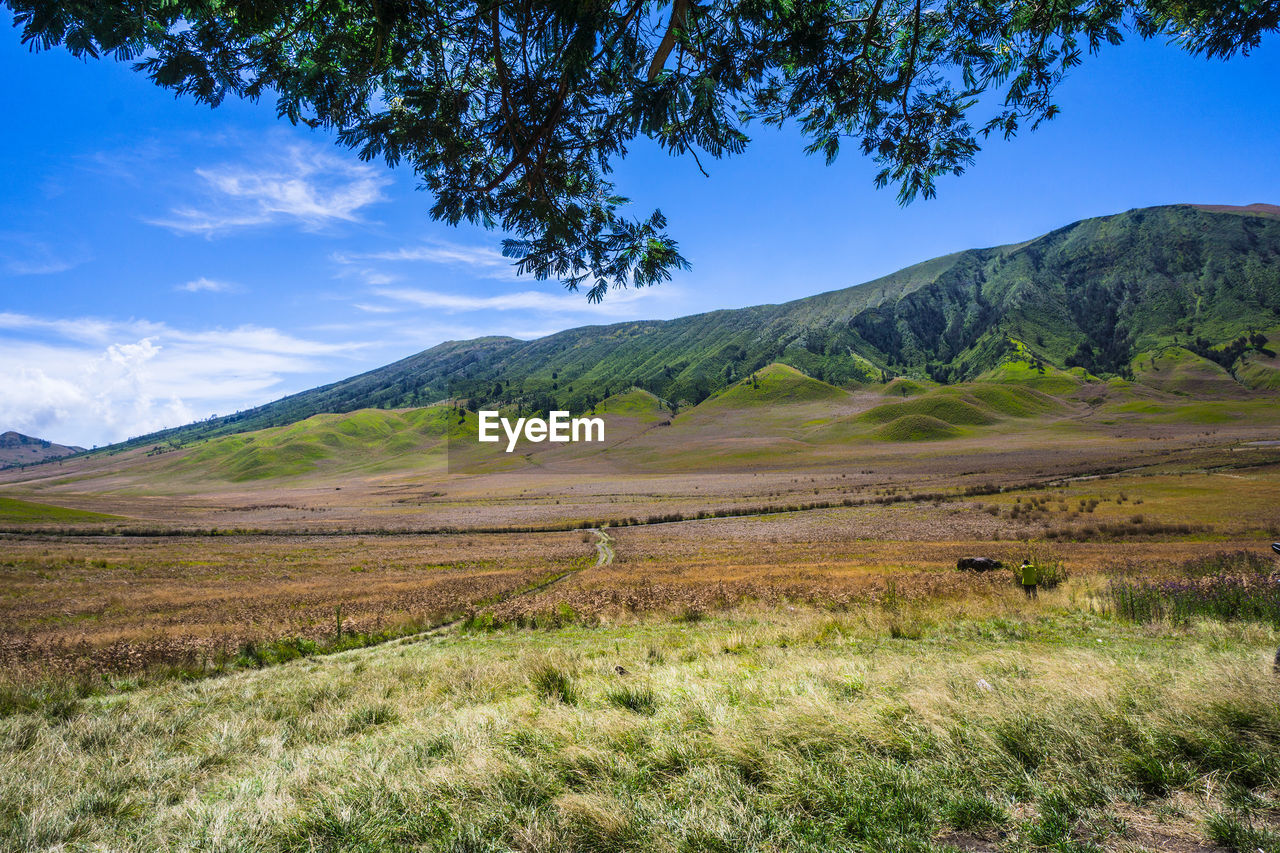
(604, 546)
(604, 557)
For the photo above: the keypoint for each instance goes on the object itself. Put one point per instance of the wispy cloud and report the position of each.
(480, 261)
(24, 254)
(304, 185)
(524, 300)
(454, 302)
(383, 273)
(88, 330)
(91, 380)
(370, 277)
(208, 285)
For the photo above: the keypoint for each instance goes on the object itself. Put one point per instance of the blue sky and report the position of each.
(161, 261)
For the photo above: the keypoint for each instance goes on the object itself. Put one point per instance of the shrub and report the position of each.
(1228, 585)
(1136, 526)
(1225, 597)
(1051, 569)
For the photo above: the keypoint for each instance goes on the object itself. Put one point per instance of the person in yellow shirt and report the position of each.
(1029, 577)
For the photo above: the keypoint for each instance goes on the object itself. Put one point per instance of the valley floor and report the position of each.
(79, 602)
(762, 660)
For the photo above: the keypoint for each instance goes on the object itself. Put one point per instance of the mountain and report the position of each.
(19, 449)
(1180, 296)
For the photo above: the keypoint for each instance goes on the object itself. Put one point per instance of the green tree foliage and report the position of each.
(512, 114)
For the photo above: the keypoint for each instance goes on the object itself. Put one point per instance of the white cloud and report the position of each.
(371, 277)
(209, 285)
(91, 381)
(454, 302)
(481, 261)
(259, 339)
(303, 184)
(556, 308)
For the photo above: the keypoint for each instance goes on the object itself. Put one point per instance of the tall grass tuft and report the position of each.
(55, 699)
(371, 716)
(1180, 601)
(1044, 557)
(552, 682)
(1237, 832)
(635, 698)
(1239, 563)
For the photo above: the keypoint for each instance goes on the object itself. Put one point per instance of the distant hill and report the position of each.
(775, 418)
(19, 449)
(1138, 295)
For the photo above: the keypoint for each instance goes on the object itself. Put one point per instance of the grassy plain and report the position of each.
(978, 722)
(317, 637)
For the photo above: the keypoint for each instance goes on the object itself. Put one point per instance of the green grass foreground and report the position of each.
(985, 725)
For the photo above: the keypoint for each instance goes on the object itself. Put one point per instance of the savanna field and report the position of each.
(812, 678)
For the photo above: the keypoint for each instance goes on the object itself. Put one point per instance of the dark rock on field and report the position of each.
(978, 564)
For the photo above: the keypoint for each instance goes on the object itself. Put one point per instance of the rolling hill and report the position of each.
(19, 449)
(1182, 295)
(777, 419)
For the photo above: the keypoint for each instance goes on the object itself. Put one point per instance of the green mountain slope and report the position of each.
(362, 440)
(19, 449)
(1096, 298)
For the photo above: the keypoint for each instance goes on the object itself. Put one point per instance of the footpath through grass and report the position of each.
(975, 725)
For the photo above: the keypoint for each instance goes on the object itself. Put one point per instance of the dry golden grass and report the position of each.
(119, 604)
(829, 679)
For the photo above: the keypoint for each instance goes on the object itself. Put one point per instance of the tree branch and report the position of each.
(909, 73)
(679, 17)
